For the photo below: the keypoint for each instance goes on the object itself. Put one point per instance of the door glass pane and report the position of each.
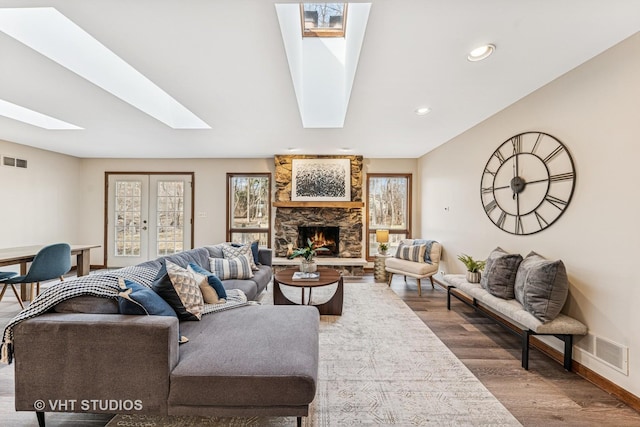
(170, 217)
(127, 218)
(388, 203)
(249, 197)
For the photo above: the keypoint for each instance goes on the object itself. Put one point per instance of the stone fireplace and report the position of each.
(346, 216)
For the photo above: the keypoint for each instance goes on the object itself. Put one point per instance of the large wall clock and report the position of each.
(527, 183)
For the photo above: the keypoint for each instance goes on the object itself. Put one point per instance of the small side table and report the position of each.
(379, 273)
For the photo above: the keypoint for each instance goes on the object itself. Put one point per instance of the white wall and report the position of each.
(210, 177)
(39, 203)
(594, 110)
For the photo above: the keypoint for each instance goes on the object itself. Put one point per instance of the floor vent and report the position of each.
(614, 354)
(609, 352)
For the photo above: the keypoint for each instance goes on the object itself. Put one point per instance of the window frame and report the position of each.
(369, 230)
(324, 31)
(230, 230)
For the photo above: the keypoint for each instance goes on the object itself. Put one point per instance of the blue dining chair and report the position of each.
(50, 262)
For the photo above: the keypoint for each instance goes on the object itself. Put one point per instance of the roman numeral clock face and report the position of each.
(527, 183)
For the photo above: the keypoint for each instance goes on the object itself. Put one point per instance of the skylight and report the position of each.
(55, 36)
(22, 114)
(323, 19)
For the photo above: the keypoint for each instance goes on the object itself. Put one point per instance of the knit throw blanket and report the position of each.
(103, 285)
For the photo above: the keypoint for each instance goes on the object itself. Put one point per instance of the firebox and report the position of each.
(323, 237)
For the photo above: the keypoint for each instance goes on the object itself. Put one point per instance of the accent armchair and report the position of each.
(415, 258)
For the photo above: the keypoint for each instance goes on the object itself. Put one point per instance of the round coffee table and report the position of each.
(327, 277)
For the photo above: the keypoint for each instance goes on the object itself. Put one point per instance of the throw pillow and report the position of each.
(135, 298)
(254, 250)
(499, 276)
(427, 251)
(181, 290)
(209, 295)
(213, 280)
(411, 252)
(542, 286)
(231, 252)
(236, 268)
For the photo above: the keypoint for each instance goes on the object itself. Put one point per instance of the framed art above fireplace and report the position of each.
(321, 180)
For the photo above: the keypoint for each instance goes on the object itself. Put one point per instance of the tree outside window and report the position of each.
(389, 208)
(248, 208)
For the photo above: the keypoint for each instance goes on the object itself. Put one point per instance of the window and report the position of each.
(389, 208)
(248, 208)
(323, 19)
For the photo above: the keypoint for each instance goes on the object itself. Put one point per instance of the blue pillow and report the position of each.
(213, 280)
(141, 300)
(427, 252)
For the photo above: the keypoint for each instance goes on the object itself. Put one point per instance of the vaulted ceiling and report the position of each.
(225, 61)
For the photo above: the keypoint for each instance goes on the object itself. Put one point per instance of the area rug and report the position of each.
(379, 365)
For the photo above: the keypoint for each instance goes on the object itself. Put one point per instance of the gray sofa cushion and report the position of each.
(199, 256)
(499, 276)
(542, 286)
(211, 371)
(88, 304)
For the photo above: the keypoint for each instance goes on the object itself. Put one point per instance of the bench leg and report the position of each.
(40, 416)
(299, 422)
(568, 351)
(449, 297)
(525, 349)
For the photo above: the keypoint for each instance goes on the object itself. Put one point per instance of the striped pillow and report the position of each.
(235, 268)
(231, 252)
(413, 253)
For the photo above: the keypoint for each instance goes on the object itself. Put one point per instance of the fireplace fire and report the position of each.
(322, 237)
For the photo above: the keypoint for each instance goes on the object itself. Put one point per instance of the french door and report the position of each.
(148, 215)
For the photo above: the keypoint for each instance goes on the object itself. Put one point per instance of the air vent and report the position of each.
(8, 161)
(614, 354)
(13, 162)
(609, 352)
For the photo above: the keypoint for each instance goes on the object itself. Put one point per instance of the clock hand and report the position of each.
(538, 181)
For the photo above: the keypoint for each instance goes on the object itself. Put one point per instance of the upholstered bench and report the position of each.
(562, 326)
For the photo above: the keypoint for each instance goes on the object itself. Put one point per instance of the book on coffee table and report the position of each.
(309, 277)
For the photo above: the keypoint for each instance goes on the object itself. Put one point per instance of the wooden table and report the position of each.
(25, 254)
(327, 277)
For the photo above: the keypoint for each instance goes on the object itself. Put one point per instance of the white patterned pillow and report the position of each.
(235, 268)
(187, 288)
(231, 252)
(413, 253)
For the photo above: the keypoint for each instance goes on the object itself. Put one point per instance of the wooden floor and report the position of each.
(546, 395)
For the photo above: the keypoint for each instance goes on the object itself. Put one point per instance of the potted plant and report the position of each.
(473, 267)
(307, 253)
(383, 248)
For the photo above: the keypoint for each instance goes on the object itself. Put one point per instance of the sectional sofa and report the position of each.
(253, 360)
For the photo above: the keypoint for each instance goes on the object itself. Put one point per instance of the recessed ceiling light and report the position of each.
(55, 36)
(345, 149)
(421, 111)
(22, 114)
(292, 149)
(480, 53)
